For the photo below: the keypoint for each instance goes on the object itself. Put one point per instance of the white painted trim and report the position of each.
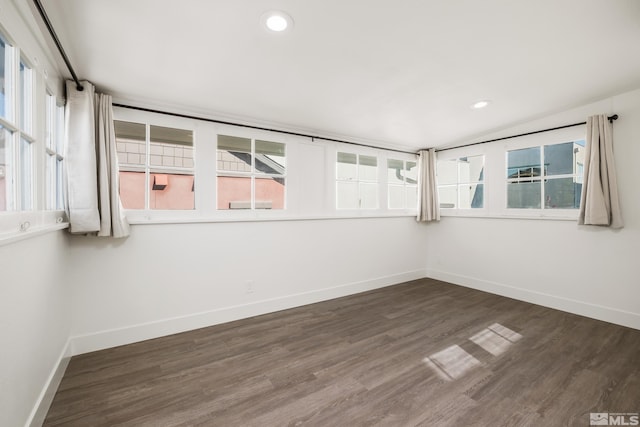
(594, 311)
(43, 403)
(9, 238)
(139, 218)
(115, 337)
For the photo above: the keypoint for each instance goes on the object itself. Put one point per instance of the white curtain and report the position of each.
(91, 164)
(428, 209)
(599, 204)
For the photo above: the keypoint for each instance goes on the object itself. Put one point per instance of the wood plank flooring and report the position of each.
(422, 353)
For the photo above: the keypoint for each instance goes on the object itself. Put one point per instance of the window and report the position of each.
(545, 177)
(461, 182)
(6, 66)
(156, 166)
(26, 98)
(16, 119)
(251, 173)
(31, 154)
(26, 174)
(6, 173)
(54, 153)
(356, 181)
(402, 179)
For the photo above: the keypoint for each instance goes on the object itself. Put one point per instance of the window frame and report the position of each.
(253, 174)
(25, 102)
(495, 190)
(358, 180)
(456, 154)
(561, 136)
(405, 185)
(54, 152)
(150, 120)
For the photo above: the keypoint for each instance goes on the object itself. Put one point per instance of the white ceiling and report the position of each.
(401, 73)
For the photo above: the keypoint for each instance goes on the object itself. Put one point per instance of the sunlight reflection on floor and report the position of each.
(453, 362)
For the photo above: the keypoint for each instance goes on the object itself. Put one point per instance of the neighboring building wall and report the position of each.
(162, 154)
(269, 192)
(177, 194)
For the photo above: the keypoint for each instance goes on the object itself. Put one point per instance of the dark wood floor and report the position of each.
(422, 353)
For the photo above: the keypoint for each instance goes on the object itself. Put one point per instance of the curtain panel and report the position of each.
(91, 166)
(599, 202)
(428, 208)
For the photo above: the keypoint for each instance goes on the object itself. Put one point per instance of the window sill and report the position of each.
(16, 236)
(524, 217)
(139, 220)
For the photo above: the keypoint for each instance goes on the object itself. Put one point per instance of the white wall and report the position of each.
(586, 270)
(34, 323)
(167, 278)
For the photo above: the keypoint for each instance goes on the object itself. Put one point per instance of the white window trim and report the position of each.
(19, 224)
(205, 173)
(253, 175)
(476, 150)
(404, 185)
(382, 157)
(495, 181)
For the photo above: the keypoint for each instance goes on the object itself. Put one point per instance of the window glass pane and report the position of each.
(234, 155)
(412, 196)
(346, 195)
(559, 159)
(563, 159)
(447, 171)
(471, 196)
(51, 182)
(5, 79)
(368, 195)
(471, 169)
(234, 192)
(524, 195)
(26, 175)
(579, 151)
(562, 193)
(396, 197)
(523, 163)
(59, 187)
(130, 143)
(171, 191)
(346, 167)
(395, 172)
(270, 193)
(270, 157)
(51, 123)
(170, 147)
(368, 168)
(25, 97)
(60, 129)
(5, 169)
(448, 196)
(411, 173)
(132, 190)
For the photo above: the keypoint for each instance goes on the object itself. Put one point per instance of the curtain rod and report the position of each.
(223, 122)
(611, 119)
(54, 36)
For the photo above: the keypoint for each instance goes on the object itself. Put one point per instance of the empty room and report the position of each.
(322, 213)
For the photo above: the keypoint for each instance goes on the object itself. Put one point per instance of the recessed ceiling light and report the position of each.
(277, 21)
(480, 104)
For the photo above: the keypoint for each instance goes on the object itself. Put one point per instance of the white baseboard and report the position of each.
(42, 405)
(594, 311)
(111, 338)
